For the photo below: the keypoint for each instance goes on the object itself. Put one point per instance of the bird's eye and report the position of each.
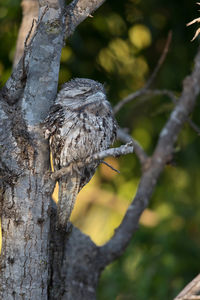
(85, 89)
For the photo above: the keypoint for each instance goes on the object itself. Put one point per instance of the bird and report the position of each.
(79, 124)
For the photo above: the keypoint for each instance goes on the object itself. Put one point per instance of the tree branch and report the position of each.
(122, 150)
(109, 166)
(13, 89)
(29, 12)
(10, 168)
(173, 97)
(197, 20)
(191, 291)
(76, 265)
(163, 152)
(144, 90)
(77, 11)
(123, 136)
(44, 62)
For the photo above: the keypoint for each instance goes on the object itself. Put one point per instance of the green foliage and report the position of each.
(10, 16)
(121, 46)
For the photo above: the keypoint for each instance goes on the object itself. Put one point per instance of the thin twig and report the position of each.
(174, 99)
(197, 20)
(164, 92)
(128, 99)
(193, 126)
(27, 46)
(123, 136)
(122, 150)
(149, 93)
(111, 167)
(161, 60)
(140, 92)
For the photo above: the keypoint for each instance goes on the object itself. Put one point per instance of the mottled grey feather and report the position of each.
(80, 124)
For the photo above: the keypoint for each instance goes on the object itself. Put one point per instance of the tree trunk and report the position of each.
(25, 223)
(25, 204)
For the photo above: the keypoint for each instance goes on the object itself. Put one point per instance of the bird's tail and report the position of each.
(68, 190)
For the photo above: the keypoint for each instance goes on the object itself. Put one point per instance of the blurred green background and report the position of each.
(120, 46)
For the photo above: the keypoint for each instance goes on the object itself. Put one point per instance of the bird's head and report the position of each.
(80, 92)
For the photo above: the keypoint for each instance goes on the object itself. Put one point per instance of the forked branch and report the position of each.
(162, 154)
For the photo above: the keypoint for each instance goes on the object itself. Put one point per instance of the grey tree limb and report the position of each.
(156, 163)
(44, 62)
(78, 11)
(191, 290)
(24, 207)
(29, 12)
(75, 13)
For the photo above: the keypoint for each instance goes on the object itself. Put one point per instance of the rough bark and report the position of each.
(75, 265)
(30, 11)
(26, 262)
(25, 205)
(24, 212)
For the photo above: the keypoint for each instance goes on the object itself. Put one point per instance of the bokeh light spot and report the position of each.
(140, 36)
(66, 54)
(142, 135)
